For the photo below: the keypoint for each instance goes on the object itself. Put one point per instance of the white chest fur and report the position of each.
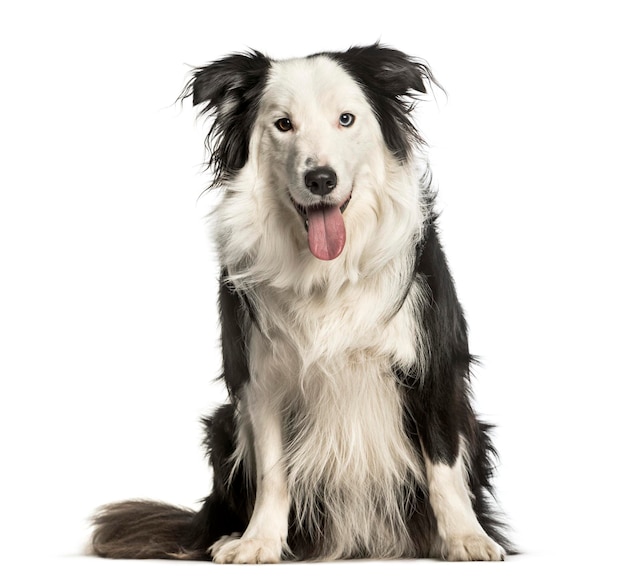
(327, 369)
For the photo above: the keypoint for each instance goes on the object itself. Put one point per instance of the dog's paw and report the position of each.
(473, 547)
(241, 550)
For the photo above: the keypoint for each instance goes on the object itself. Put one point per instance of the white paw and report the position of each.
(241, 550)
(473, 547)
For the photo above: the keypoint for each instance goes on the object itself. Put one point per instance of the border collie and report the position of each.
(349, 430)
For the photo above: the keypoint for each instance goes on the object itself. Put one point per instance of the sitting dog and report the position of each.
(349, 430)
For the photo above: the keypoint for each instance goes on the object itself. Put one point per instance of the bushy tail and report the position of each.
(144, 529)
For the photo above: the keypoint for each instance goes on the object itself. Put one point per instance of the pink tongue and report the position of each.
(327, 232)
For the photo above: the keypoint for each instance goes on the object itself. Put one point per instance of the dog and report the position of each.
(349, 430)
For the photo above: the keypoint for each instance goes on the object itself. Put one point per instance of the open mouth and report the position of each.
(325, 228)
(304, 212)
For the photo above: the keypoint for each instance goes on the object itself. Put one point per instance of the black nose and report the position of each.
(321, 180)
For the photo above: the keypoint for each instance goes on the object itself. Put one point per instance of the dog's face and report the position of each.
(316, 129)
(317, 126)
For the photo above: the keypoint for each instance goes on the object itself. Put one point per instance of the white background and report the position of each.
(108, 329)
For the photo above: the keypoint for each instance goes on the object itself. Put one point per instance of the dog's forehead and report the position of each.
(318, 80)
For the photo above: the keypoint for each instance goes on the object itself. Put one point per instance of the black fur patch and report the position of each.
(391, 80)
(230, 88)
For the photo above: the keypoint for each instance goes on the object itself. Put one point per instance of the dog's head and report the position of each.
(319, 125)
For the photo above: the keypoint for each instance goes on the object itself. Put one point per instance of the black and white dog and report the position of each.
(349, 431)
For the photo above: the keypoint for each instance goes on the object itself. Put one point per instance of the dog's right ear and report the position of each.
(229, 88)
(229, 80)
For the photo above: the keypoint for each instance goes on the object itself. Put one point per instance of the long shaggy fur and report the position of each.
(149, 529)
(349, 431)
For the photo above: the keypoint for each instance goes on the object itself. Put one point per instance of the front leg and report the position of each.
(446, 422)
(463, 538)
(265, 538)
(450, 436)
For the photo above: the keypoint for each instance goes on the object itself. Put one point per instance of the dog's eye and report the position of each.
(346, 119)
(283, 125)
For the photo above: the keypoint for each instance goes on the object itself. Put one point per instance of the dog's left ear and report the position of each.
(230, 88)
(390, 71)
(392, 81)
(401, 74)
